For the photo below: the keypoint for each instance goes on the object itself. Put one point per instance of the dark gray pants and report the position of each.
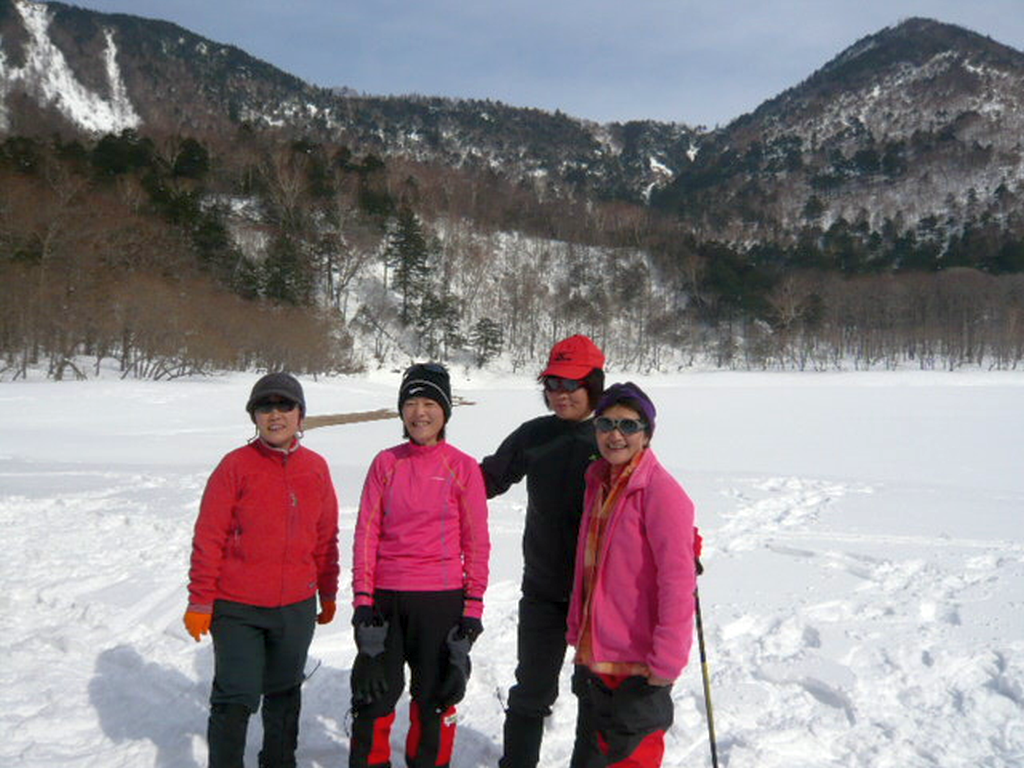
(259, 654)
(541, 652)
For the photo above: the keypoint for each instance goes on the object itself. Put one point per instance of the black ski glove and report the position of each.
(369, 677)
(459, 641)
(471, 627)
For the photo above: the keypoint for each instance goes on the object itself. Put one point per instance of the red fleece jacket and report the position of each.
(267, 532)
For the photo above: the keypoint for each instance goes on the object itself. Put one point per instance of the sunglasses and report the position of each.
(283, 406)
(558, 384)
(625, 426)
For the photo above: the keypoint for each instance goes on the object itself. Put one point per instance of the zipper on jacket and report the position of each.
(291, 502)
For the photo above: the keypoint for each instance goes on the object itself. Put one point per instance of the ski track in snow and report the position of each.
(831, 641)
(868, 679)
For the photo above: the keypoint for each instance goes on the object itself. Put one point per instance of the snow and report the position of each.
(48, 75)
(863, 599)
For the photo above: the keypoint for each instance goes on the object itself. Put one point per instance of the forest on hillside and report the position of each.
(166, 256)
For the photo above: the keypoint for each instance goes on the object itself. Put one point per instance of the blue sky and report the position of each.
(699, 62)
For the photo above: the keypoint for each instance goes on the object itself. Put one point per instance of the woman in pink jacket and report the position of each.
(419, 571)
(631, 615)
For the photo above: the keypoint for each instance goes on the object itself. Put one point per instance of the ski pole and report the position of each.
(704, 672)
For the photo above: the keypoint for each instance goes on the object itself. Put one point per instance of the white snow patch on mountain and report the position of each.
(47, 76)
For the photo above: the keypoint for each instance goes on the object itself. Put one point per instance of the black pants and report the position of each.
(259, 654)
(612, 725)
(540, 653)
(418, 625)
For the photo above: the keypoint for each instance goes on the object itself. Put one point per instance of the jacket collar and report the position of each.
(416, 449)
(275, 453)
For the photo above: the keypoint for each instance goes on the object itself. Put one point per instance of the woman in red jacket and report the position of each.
(265, 543)
(631, 614)
(419, 571)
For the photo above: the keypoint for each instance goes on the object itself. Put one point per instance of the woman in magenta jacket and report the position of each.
(419, 571)
(631, 614)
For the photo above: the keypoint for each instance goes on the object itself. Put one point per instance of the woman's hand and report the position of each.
(197, 624)
(327, 611)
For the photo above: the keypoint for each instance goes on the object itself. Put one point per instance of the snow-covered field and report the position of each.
(863, 599)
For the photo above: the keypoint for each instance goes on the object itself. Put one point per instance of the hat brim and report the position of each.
(568, 370)
(289, 396)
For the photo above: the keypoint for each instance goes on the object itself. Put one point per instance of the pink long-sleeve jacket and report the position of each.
(641, 605)
(422, 525)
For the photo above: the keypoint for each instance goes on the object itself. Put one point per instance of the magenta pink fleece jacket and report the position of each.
(422, 525)
(642, 605)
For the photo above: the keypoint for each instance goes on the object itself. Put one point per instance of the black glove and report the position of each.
(369, 677)
(470, 627)
(365, 614)
(456, 675)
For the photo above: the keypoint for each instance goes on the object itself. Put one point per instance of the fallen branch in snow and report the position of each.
(329, 420)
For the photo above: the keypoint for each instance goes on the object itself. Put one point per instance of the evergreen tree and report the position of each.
(287, 274)
(437, 323)
(407, 254)
(487, 339)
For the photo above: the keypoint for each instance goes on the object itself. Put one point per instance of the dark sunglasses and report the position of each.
(625, 426)
(558, 384)
(267, 406)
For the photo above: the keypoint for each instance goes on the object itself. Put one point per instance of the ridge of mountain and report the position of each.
(177, 81)
(922, 118)
(918, 122)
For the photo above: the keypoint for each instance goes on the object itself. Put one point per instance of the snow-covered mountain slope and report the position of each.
(47, 76)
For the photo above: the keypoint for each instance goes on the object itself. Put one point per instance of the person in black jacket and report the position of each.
(552, 452)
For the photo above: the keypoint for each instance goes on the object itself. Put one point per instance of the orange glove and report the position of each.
(197, 624)
(327, 610)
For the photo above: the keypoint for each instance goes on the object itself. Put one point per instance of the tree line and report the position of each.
(167, 256)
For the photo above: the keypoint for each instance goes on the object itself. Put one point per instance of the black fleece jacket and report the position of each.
(552, 454)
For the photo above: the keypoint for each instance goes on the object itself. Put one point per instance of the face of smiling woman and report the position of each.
(278, 427)
(619, 449)
(423, 419)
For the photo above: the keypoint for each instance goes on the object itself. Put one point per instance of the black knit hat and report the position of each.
(280, 384)
(427, 380)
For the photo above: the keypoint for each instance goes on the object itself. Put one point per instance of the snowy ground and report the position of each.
(864, 594)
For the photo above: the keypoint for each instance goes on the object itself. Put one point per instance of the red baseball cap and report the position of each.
(574, 358)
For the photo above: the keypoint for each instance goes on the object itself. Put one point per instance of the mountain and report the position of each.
(179, 199)
(65, 68)
(919, 124)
